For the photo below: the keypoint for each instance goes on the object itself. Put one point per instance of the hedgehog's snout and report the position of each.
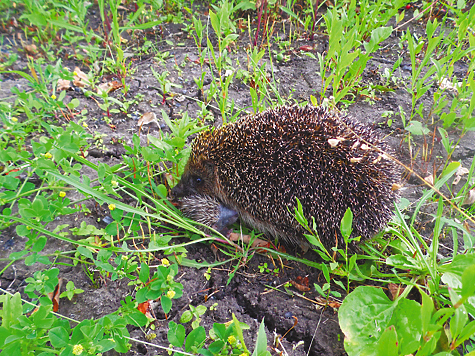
(177, 193)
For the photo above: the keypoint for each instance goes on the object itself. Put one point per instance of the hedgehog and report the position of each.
(209, 212)
(260, 165)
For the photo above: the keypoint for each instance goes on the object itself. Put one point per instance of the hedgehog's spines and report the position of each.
(260, 164)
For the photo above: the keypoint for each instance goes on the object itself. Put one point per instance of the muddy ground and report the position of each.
(309, 328)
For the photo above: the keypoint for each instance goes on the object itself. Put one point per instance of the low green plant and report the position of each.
(405, 326)
(343, 64)
(265, 269)
(225, 339)
(161, 285)
(41, 331)
(71, 291)
(165, 84)
(193, 315)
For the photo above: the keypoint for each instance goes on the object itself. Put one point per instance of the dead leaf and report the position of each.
(429, 179)
(147, 118)
(233, 236)
(334, 304)
(395, 187)
(31, 49)
(306, 48)
(445, 83)
(302, 280)
(80, 78)
(144, 308)
(461, 171)
(54, 296)
(63, 84)
(108, 87)
(299, 287)
(469, 198)
(333, 142)
(377, 159)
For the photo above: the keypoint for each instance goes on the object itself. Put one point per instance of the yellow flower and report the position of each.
(165, 262)
(75, 73)
(84, 125)
(111, 206)
(53, 97)
(62, 194)
(171, 294)
(78, 349)
(48, 155)
(232, 339)
(114, 183)
(14, 119)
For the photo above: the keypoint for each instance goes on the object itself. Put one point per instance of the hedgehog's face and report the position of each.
(197, 179)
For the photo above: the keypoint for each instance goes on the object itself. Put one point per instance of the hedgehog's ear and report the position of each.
(209, 166)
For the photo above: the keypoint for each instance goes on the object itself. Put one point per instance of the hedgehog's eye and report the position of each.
(198, 180)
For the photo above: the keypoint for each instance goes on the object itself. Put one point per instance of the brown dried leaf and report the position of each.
(469, 198)
(108, 87)
(396, 186)
(80, 78)
(144, 308)
(30, 49)
(334, 304)
(54, 296)
(299, 287)
(333, 142)
(63, 84)
(429, 179)
(233, 236)
(302, 280)
(306, 48)
(461, 171)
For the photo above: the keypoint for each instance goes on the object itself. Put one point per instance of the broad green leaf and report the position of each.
(388, 345)
(144, 272)
(11, 310)
(166, 304)
(176, 334)
(407, 319)
(195, 338)
(59, 337)
(364, 315)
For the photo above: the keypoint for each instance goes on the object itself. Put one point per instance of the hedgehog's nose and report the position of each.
(177, 191)
(226, 217)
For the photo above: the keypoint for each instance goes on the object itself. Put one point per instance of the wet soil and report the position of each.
(309, 327)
